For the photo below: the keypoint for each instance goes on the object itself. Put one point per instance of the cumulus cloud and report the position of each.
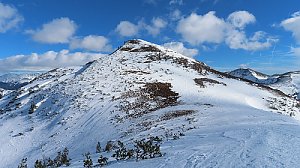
(180, 48)
(240, 19)
(57, 31)
(292, 24)
(127, 29)
(259, 41)
(156, 25)
(46, 61)
(91, 43)
(9, 17)
(197, 29)
(62, 30)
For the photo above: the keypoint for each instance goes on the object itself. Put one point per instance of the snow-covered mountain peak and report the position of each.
(252, 75)
(248, 73)
(141, 90)
(138, 45)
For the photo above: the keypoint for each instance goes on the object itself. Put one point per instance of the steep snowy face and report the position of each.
(140, 90)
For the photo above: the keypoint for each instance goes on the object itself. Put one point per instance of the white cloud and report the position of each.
(57, 31)
(197, 29)
(180, 48)
(293, 24)
(259, 41)
(176, 2)
(127, 29)
(46, 61)
(62, 30)
(91, 43)
(9, 18)
(295, 51)
(240, 19)
(156, 25)
(175, 15)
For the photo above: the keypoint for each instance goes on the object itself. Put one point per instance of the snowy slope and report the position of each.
(288, 83)
(144, 90)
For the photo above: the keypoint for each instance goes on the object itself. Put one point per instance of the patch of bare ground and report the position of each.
(176, 114)
(150, 97)
(195, 65)
(146, 49)
(202, 81)
(138, 72)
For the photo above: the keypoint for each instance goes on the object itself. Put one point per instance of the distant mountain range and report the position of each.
(12, 81)
(288, 83)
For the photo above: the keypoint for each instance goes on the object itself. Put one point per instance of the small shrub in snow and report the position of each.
(23, 163)
(122, 153)
(50, 163)
(39, 164)
(98, 148)
(62, 158)
(175, 136)
(156, 138)
(32, 108)
(87, 162)
(108, 146)
(147, 149)
(102, 160)
(292, 114)
(65, 160)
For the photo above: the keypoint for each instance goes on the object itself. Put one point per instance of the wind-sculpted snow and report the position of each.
(142, 90)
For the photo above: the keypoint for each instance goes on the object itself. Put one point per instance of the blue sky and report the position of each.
(225, 34)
